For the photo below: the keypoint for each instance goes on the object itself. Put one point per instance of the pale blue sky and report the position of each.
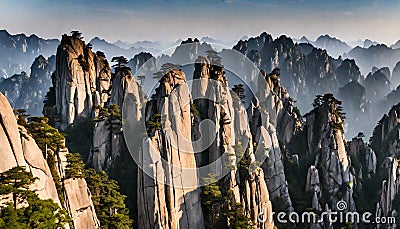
(222, 19)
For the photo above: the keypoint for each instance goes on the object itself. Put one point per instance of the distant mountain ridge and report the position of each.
(17, 52)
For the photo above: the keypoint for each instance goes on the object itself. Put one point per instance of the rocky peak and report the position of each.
(256, 43)
(29, 92)
(177, 205)
(139, 60)
(324, 130)
(348, 71)
(396, 75)
(82, 80)
(377, 85)
(233, 128)
(334, 46)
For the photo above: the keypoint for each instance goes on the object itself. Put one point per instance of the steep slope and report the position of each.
(18, 148)
(82, 80)
(385, 141)
(175, 203)
(330, 178)
(108, 141)
(215, 102)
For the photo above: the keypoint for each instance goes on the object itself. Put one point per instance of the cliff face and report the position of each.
(11, 87)
(217, 103)
(108, 140)
(18, 148)
(168, 196)
(77, 196)
(385, 141)
(274, 120)
(82, 80)
(331, 177)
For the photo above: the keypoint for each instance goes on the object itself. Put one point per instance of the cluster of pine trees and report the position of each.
(24, 209)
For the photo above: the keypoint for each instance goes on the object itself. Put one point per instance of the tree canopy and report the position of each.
(34, 212)
(108, 201)
(120, 62)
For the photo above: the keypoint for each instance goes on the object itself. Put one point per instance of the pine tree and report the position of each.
(75, 166)
(120, 61)
(212, 202)
(44, 134)
(35, 213)
(165, 68)
(234, 213)
(76, 34)
(16, 182)
(108, 201)
(21, 116)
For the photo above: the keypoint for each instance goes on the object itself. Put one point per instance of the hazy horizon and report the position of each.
(171, 20)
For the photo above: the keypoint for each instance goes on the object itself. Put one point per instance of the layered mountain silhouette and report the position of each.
(291, 127)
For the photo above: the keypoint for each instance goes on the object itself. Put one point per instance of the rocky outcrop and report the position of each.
(82, 80)
(365, 154)
(265, 136)
(108, 141)
(139, 60)
(18, 148)
(215, 102)
(77, 196)
(331, 174)
(276, 100)
(348, 71)
(396, 75)
(168, 193)
(273, 121)
(377, 85)
(386, 142)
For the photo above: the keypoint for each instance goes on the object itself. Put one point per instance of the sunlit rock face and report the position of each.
(82, 80)
(175, 204)
(18, 148)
